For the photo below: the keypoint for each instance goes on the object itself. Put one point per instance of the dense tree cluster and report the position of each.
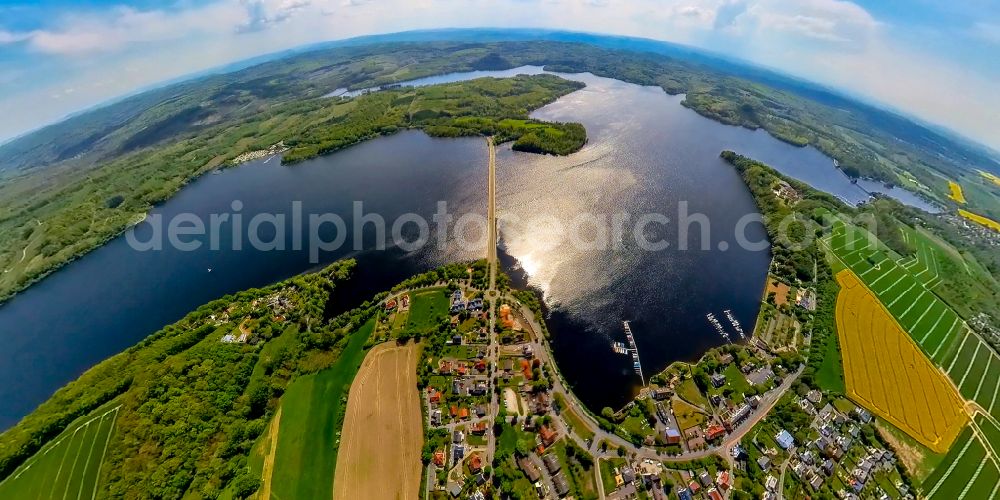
(144, 148)
(482, 107)
(478, 271)
(191, 405)
(805, 266)
(792, 228)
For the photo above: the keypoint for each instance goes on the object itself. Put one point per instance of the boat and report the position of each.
(735, 322)
(718, 326)
(619, 348)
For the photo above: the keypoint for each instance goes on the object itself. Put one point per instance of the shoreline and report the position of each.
(591, 420)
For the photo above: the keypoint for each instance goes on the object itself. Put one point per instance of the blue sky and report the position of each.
(934, 59)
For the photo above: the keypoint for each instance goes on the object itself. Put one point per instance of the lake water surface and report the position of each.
(646, 154)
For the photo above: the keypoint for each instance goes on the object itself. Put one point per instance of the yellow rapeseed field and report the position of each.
(887, 373)
(991, 177)
(979, 219)
(956, 192)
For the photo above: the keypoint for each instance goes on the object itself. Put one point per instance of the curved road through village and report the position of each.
(543, 351)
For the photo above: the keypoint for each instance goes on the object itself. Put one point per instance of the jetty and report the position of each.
(718, 326)
(735, 322)
(636, 364)
(619, 347)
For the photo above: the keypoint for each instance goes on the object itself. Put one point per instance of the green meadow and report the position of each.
(312, 414)
(426, 308)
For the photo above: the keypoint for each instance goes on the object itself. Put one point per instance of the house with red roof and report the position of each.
(694, 487)
(475, 463)
(723, 480)
(548, 435)
(714, 431)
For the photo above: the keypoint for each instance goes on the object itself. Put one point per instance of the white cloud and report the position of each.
(827, 21)
(989, 32)
(728, 12)
(831, 41)
(7, 37)
(844, 47)
(122, 27)
(919, 85)
(262, 14)
(696, 14)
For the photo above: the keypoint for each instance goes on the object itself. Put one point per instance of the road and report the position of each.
(543, 351)
(558, 385)
(491, 215)
(598, 480)
(493, 351)
(781, 477)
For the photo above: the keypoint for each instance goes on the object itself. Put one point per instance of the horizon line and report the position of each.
(262, 58)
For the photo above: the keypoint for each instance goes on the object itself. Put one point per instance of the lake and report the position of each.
(115, 296)
(646, 154)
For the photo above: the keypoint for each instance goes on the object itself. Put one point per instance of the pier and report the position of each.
(735, 322)
(718, 326)
(636, 364)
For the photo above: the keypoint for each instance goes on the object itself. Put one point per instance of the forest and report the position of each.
(71, 187)
(194, 401)
(795, 265)
(193, 404)
(482, 107)
(53, 219)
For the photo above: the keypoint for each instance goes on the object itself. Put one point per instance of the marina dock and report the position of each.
(636, 364)
(735, 322)
(718, 326)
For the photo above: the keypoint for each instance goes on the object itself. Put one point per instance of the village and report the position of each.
(817, 446)
(499, 420)
(460, 383)
(255, 321)
(741, 422)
